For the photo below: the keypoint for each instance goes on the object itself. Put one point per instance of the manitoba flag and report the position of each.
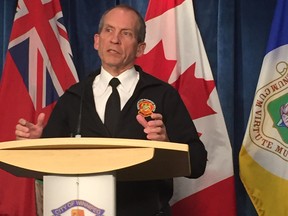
(37, 71)
(174, 40)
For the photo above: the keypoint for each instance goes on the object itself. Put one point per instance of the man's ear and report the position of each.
(96, 41)
(140, 49)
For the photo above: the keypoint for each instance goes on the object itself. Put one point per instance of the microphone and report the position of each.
(78, 128)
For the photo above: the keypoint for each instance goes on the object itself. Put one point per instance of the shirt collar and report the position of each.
(127, 79)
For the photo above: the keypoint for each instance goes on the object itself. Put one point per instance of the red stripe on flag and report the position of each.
(22, 25)
(63, 33)
(155, 9)
(216, 200)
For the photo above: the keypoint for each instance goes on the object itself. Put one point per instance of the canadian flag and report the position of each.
(174, 40)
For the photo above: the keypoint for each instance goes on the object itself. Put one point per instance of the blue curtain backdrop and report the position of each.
(234, 32)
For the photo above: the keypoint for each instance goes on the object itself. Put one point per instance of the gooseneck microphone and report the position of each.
(78, 128)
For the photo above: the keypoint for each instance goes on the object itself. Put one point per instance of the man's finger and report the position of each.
(40, 119)
(26, 125)
(142, 120)
(156, 116)
(21, 135)
(20, 127)
(22, 121)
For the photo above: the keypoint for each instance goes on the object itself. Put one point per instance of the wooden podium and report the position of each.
(70, 158)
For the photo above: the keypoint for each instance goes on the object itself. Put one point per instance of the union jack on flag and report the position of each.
(37, 71)
(41, 52)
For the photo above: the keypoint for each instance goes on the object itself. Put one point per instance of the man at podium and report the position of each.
(144, 108)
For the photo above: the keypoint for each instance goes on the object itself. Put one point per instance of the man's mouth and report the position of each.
(113, 51)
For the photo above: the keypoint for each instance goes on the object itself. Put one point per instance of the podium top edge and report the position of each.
(89, 143)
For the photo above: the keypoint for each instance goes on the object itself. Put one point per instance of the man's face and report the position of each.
(117, 43)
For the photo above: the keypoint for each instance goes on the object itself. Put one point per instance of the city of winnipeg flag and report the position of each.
(38, 69)
(264, 153)
(175, 54)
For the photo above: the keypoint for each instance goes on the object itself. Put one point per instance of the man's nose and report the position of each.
(116, 38)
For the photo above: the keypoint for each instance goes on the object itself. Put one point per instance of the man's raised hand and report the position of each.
(27, 130)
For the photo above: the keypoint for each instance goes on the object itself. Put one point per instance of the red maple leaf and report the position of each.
(155, 9)
(155, 63)
(195, 93)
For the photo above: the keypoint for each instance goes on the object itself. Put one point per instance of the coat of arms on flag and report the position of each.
(264, 153)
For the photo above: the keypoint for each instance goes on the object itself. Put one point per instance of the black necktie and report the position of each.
(112, 110)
